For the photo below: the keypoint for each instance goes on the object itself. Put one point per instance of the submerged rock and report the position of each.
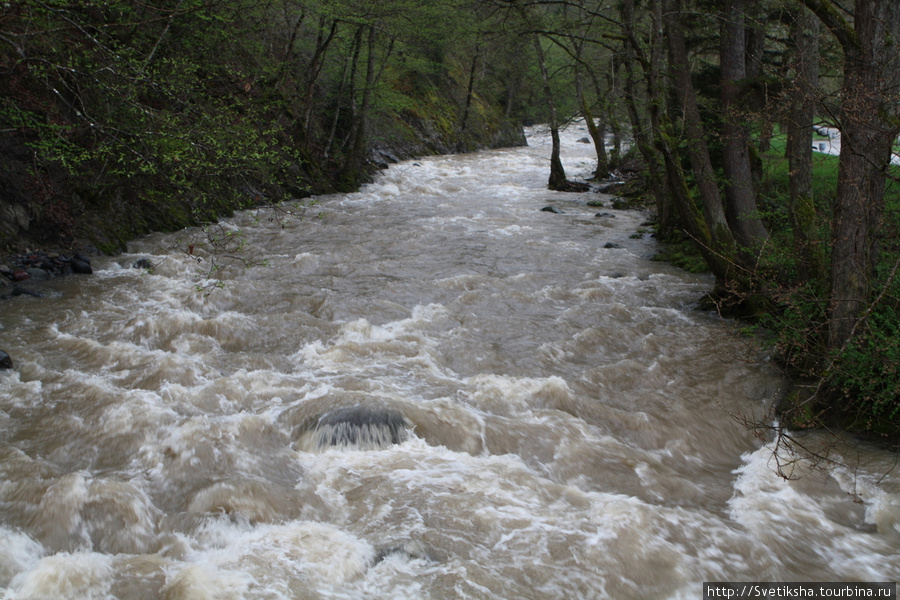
(37, 273)
(20, 291)
(551, 209)
(5, 360)
(413, 550)
(359, 427)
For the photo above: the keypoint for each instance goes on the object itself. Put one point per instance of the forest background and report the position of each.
(119, 117)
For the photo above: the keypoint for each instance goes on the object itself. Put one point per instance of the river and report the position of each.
(525, 407)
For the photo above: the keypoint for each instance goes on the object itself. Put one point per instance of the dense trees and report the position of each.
(172, 111)
(708, 86)
(820, 269)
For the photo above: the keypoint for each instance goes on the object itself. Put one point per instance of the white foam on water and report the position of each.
(780, 513)
(509, 395)
(297, 559)
(205, 582)
(20, 553)
(77, 576)
(568, 434)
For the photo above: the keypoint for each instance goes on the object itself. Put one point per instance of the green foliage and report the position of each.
(683, 254)
(127, 97)
(855, 387)
(865, 374)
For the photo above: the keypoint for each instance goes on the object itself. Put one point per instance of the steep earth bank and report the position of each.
(54, 212)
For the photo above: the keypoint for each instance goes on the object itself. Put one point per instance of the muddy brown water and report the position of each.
(563, 418)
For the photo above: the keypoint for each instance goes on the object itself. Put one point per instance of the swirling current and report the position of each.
(429, 389)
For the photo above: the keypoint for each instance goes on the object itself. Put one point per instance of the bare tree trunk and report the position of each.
(355, 164)
(698, 151)
(868, 123)
(470, 92)
(597, 132)
(352, 96)
(740, 197)
(557, 179)
(348, 74)
(801, 114)
(644, 138)
(314, 68)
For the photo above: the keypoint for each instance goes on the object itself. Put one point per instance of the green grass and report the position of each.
(776, 173)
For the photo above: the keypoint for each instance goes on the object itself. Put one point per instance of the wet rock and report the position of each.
(573, 186)
(20, 291)
(81, 264)
(409, 551)
(610, 187)
(5, 361)
(361, 427)
(37, 273)
(595, 203)
(382, 156)
(143, 263)
(551, 209)
(584, 140)
(605, 214)
(39, 266)
(12, 291)
(612, 245)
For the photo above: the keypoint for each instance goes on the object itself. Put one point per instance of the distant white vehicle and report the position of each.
(833, 144)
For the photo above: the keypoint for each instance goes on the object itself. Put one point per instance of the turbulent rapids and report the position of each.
(429, 389)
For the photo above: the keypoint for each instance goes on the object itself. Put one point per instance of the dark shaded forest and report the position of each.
(118, 118)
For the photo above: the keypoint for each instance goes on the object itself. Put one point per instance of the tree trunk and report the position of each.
(313, 70)
(740, 197)
(352, 95)
(714, 215)
(462, 145)
(598, 133)
(643, 138)
(868, 124)
(801, 113)
(557, 179)
(355, 164)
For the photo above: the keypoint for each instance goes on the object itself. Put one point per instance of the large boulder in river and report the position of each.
(361, 427)
(5, 360)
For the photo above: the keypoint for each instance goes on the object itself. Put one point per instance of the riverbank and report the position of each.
(103, 222)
